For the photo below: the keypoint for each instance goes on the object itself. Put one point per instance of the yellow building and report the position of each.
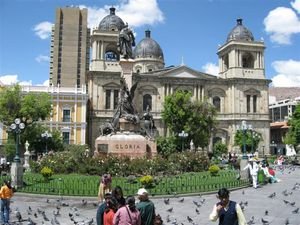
(68, 111)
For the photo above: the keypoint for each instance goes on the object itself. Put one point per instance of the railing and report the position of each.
(77, 185)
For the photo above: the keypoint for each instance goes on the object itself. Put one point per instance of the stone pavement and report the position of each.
(179, 208)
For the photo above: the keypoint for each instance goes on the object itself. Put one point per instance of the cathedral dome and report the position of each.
(240, 33)
(148, 48)
(111, 22)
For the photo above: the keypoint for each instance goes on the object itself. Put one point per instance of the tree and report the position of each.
(252, 139)
(29, 107)
(292, 137)
(219, 149)
(194, 117)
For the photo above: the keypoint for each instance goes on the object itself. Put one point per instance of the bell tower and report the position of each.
(241, 56)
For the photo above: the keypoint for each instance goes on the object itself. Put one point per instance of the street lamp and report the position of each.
(46, 135)
(183, 135)
(17, 127)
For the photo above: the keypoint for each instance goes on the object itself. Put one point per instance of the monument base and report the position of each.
(244, 173)
(125, 144)
(16, 175)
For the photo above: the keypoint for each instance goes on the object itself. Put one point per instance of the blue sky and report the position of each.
(188, 31)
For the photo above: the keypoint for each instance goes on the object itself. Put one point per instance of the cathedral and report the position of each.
(239, 92)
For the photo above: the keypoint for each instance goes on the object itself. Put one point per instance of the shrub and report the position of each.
(214, 170)
(47, 173)
(147, 181)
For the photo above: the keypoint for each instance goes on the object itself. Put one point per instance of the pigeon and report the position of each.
(287, 222)
(18, 215)
(170, 209)
(181, 200)
(168, 218)
(243, 192)
(167, 201)
(286, 202)
(251, 221)
(292, 203)
(197, 211)
(272, 195)
(189, 219)
(30, 222)
(265, 222)
(90, 222)
(266, 212)
(295, 211)
(84, 202)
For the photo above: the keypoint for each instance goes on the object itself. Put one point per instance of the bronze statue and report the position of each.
(149, 125)
(126, 41)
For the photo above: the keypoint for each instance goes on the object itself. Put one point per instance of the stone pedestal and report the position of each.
(244, 173)
(17, 175)
(128, 126)
(127, 68)
(26, 160)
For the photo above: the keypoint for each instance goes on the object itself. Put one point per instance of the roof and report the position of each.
(240, 32)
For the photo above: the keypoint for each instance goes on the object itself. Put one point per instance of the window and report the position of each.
(116, 98)
(66, 137)
(66, 115)
(147, 100)
(248, 103)
(107, 99)
(254, 103)
(111, 56)
(247, 60)
(217, 103)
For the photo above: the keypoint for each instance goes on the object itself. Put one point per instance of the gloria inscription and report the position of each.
(128, 146)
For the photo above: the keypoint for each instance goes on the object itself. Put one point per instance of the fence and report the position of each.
(78, 185)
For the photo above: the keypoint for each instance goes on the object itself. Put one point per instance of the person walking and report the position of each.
(253, 169)
(228, 212)
(6, 192)
(146, 207)
(104, 186)
(128, 214)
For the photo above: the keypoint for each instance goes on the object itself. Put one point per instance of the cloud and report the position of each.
(42, 58)
(211, 68)
(281, 23)
(13, 79)
(296, 5)
(43, 30)
(135, 12)
(288, 73)
(45, 83)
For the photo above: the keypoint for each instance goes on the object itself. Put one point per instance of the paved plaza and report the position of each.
(276, 203)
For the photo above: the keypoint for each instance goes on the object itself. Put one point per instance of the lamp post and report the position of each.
(17, 127)
(183, 135)
(46, 135)
(244, 128)
(16, 167)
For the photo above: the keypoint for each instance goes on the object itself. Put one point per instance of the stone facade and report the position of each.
(240, 92)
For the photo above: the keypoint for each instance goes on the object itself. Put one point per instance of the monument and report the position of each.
(123, 135)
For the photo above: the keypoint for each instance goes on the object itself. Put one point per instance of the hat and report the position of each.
(142, 191)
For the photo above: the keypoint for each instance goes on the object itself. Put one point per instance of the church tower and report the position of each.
(241, 56)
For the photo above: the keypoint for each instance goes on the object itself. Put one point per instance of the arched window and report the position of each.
(247, 60)
(217, 103)
(226, 62)
(147, 100)
(111, 56)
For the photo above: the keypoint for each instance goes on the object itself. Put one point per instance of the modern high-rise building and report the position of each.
(70, 44)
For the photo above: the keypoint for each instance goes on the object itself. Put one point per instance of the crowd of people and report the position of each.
(115, 209)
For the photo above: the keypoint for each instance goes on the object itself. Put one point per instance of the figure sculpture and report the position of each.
(124, 110)
(149, 125)
(126, 41)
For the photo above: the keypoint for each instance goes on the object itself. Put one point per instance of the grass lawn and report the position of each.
(80, 185)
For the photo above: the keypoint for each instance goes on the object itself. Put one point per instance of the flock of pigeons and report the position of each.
(64, 212)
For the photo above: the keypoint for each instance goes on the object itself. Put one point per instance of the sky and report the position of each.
(188, 31)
